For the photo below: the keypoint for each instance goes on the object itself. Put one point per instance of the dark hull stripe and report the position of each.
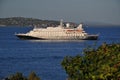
(28, 37)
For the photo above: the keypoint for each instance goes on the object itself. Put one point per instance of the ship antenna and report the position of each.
(61, 22)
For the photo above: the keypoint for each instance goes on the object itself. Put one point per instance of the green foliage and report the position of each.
(102, 63)
(19, 76)
(21, 21)
(33, 76)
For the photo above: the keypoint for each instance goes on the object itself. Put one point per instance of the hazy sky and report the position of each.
(105, 11)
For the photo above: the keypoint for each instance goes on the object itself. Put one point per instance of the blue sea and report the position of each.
(44, 57)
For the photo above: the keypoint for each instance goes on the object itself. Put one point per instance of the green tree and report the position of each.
(102, 63)
(17, 76)
(33, 76)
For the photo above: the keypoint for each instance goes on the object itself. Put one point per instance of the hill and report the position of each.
(21, 21)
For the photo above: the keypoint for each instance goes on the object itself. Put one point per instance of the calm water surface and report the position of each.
(44, 57)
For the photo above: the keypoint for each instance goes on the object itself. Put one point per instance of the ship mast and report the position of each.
(61, 23)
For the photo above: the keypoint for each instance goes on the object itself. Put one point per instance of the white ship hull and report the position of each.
(88, 37)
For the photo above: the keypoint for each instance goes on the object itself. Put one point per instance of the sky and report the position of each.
(103, 11)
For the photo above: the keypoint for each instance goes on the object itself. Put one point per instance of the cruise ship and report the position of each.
(59, 32)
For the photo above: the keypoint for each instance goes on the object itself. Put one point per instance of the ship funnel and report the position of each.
(67, 25)
(80, 26)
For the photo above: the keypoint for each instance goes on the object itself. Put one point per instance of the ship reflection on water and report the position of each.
(56, 40)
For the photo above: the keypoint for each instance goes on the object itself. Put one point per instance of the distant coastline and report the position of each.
(22, 21)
